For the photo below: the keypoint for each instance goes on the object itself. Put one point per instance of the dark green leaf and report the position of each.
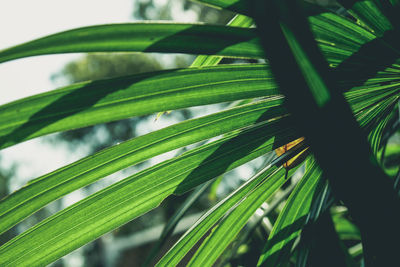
(292, 218)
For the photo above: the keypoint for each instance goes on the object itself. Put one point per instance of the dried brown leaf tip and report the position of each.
(297, 159)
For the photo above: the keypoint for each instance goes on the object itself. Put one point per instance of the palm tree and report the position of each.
(330, 77)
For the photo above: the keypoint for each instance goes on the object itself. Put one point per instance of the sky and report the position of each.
(24, 20)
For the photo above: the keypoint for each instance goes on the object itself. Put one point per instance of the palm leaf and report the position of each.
(144, 37)
(95, 102)
(340, 68)
(225, 206)
(321, 99)
(226, 230)
(292, 218)
(135, 195)
(49, 187)
(200, 61)
(237, 21)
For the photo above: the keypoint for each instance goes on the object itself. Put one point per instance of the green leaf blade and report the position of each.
(225, 232)
(291, 219)
(90, 103)
(203, 61)
(135, 195)
(144, 37)
(209, 219)
(49, 187)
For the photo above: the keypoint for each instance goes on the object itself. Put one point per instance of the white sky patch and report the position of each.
(30, 76)
(35, 158)
(26, 20)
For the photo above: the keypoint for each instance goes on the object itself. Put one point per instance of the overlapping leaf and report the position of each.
(133, 196)
(144, 37)
(214, 215)
(341, 41)
(291, 219)
(200, 61)
(95, 102)
(203, 61)
(47, 188)
(234, 206)
(226, 230)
